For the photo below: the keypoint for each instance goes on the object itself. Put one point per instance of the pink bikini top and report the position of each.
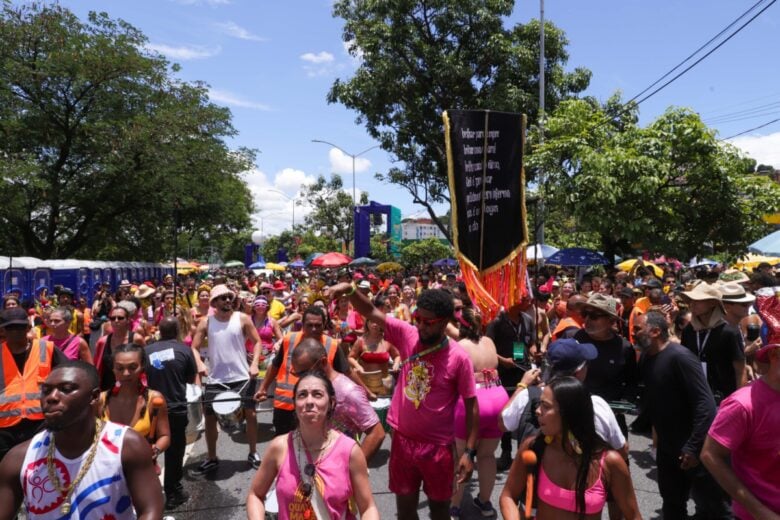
(555, 496)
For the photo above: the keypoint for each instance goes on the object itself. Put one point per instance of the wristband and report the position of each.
(351, 292)
(472, 453)
(522, 386)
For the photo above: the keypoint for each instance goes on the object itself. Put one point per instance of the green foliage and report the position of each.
(421, 58)
(668, 188)
(423, 252)
(331, 214)
(101, 145)
(379, 249)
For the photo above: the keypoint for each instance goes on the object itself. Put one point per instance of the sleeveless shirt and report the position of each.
(102, 493)
(227, 354)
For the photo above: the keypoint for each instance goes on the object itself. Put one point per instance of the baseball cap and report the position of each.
(13, 316)
(568, 353)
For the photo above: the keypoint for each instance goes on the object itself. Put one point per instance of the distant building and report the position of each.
(419, 228)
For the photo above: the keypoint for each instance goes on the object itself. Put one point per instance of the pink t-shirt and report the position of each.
(331, 478)
(353, 413)
(423, 405)
(748, 424)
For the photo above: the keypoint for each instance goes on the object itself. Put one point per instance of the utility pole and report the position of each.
(540, 208)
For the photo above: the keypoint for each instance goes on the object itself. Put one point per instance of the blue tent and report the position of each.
(577, 257)
(445, 262)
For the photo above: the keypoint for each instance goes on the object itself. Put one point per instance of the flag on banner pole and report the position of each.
(487, 190)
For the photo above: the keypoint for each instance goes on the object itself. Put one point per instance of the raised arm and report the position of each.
(358, 300)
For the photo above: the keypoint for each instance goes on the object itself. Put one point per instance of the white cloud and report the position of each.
(320, 57)
(236, 31)
(184, 52)
(765, 149)
(274, 209)
(318, 64)
(357, 58)
(228, 98)
(342, 163)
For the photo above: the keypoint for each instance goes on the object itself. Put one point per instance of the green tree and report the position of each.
(423, 252)
(670, 188)
(103, 150)
(331, 208)
(421, 58)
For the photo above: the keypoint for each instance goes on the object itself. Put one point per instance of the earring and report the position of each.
(548, 439)
(116, 388)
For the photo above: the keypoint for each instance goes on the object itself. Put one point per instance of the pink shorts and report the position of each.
(413, 462)
(491, 401)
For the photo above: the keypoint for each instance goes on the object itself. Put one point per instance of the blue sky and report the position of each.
(272, 63)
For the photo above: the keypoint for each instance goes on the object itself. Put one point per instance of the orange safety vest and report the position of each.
(20, 394)
(565, 323)
(285, 381)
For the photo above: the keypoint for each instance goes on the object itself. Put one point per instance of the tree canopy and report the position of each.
(331, 206)
(102, 147)
(418, 59)
(670, 187)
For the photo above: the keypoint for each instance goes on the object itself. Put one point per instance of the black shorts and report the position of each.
(210, 393)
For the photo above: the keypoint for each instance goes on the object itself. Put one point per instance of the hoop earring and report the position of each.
(575, 445)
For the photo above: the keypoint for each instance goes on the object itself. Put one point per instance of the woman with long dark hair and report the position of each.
(576, 469)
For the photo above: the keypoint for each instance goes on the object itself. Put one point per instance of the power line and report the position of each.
(694, 53)
(654, 92)
(751, 129)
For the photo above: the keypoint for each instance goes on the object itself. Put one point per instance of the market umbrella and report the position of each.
(298, 264)
(233, 263)
(445, 262)
(751, 261)
(363, 261)
(311, 257)
(331, 260)
(274, 267)
(539, 252)
(628, 266)
(257, 265)
(389, 267)
(577, 257)
(769, 245)
(704, 262)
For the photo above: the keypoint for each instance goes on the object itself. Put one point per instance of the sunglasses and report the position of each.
(16, 327)
(426, 321)
(117, 318)
(225, 298)
(594, 315)
(266, 291)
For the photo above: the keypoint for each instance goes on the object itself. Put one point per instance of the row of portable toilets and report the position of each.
(29, 275)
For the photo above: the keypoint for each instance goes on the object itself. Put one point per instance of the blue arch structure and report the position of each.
(362, 216)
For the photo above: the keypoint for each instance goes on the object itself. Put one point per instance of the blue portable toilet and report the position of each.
(65, 273)
(13, 276)
(28, 266)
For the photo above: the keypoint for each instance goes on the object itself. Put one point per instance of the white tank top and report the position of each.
(227, 353)
(102, 493)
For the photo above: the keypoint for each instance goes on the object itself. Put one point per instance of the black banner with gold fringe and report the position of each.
(487, 190)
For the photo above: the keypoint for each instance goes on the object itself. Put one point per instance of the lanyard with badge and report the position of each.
(518, 345)
(700, 346)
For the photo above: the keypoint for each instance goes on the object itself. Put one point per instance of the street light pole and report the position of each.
(291, 199)
(354, 157)
(354, 193)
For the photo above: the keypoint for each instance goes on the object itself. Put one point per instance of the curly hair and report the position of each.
(437, 301)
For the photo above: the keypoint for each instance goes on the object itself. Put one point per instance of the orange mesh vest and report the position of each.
(20, 394)
(285, 381)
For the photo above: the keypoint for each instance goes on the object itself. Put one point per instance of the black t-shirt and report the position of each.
(57, 358)
(613, 374)
(677, 399)
(340, 363)
(719, 347)
(504, 333)
(171, 365)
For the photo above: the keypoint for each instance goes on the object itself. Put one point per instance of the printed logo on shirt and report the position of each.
(418, 382)
(158, 359)
(39, 491)
(300, 507)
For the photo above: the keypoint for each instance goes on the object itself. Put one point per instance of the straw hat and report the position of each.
(219, 290)
(732, 292)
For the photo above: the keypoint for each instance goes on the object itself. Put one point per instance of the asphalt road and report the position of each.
(222, 495)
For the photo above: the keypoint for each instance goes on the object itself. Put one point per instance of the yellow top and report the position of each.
(144, 423)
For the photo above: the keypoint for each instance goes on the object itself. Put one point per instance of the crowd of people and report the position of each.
(92, 395)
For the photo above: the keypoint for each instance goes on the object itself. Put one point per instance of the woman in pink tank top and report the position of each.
(574, 469)
(316, 468)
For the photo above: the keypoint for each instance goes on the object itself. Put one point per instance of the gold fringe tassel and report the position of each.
(500, 288)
